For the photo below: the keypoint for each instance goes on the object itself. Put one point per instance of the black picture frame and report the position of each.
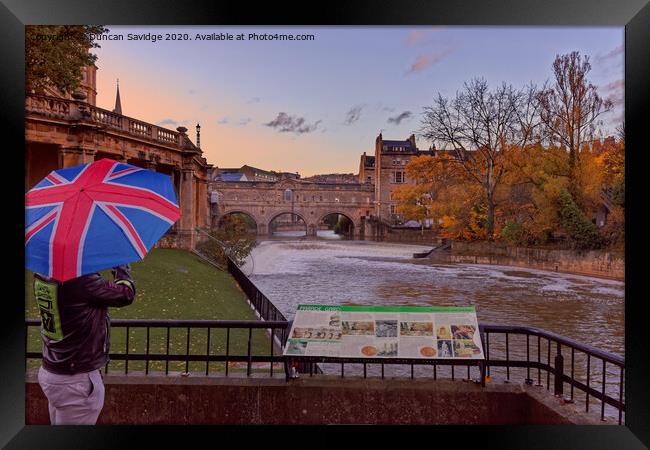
(634, 15)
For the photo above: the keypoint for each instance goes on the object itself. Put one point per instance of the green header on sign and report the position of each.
(400, 309)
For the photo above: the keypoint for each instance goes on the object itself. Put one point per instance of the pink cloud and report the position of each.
(610, 55)
(426, 60)
(419, 36)
(615, 92)
(615, 86)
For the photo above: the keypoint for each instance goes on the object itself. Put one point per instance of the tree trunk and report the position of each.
(490, 217)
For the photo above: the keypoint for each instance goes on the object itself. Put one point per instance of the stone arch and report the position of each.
(217, 219)
(336, 211)
(277, 214)
(350, 217)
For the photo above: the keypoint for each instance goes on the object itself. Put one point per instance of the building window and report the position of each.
(369, 180)
(288, 194)
(392, 209)
(399, 177)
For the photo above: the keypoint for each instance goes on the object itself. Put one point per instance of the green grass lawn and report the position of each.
(173, 284)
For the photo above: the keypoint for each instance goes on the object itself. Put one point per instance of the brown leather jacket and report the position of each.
(75, 326)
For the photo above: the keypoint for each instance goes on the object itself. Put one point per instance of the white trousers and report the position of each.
(73, 399)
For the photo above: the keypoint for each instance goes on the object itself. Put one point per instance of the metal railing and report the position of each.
(192, 347)
(588, 366)
(596, 373)
(265, 307)
(537, 351)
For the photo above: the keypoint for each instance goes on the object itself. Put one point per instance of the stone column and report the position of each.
(358, 229)
(186, 222)
(262, 229)
(70, 156)
(88, 155)
(204, 211)
(73, 156)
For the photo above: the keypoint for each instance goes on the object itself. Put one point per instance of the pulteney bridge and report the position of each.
(265, 201)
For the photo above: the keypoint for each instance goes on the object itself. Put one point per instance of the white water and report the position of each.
(290, 272)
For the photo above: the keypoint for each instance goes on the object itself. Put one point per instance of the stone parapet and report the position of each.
(160, 399)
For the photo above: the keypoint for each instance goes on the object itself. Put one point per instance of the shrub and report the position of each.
(582, 232)
(513, 232)
(233, 239)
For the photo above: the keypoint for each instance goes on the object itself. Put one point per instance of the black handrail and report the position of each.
(272, 357)
(265, 307)
(532, 331)
(553, 367)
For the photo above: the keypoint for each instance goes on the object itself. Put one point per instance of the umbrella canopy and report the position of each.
(91, 217)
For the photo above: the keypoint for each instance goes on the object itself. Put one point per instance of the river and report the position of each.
(293, 271)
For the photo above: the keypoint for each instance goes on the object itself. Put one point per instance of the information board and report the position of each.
(385, 332)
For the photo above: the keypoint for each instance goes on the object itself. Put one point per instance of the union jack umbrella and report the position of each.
(91, 217)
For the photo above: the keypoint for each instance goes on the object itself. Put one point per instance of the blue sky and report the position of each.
(338, 91)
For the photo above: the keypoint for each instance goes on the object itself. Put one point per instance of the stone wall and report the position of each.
(413, 236)
(159, 399)
(594, 263)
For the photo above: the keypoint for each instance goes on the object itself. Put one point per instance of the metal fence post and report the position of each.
(559, 371)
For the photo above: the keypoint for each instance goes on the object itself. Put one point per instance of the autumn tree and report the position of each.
(431, 176)
(569, 110)
(56, 54)
(481, 126)
(535, 179)
(233, 239)
(413, 203)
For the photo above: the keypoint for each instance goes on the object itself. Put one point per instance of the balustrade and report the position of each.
(49, 106)
(61, 108)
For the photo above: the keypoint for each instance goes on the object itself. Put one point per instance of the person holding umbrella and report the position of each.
(75, 337)
(78, 221)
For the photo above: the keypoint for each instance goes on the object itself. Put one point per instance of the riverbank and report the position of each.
(594, 263)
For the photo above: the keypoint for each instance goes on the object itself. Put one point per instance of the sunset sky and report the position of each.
(314, 106)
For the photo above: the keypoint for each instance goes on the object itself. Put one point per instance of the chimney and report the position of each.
(412, 139)
(198, 135)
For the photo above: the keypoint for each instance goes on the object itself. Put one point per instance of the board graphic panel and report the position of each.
(425, 332)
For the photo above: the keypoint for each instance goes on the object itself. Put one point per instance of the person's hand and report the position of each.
(121, 267)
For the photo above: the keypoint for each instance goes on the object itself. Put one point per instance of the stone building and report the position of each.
(67, 130)
(386, 171)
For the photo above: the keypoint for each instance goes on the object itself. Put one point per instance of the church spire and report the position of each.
(118, 103)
